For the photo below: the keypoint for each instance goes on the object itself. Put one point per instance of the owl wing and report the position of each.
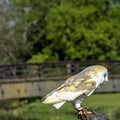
(71, 89)
(76, 88)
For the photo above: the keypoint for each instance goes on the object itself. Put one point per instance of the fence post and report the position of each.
(68, 66)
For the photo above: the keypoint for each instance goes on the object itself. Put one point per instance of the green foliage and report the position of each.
(82, 33)
(64, 29)
(67, 30)
(106, 104)
(41, 57)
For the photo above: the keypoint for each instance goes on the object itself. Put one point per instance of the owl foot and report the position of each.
(83, 114)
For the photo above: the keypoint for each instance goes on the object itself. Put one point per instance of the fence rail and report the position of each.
(29, 80)
(55, 70)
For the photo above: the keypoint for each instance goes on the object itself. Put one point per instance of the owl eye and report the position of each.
(105, 75)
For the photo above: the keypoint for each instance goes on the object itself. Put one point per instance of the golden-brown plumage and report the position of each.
(78, 87)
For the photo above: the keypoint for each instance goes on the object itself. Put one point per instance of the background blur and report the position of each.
(36, 35)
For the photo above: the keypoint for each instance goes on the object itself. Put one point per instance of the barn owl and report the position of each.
(76, 88)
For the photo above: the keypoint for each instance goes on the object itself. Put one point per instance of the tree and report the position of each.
(13, 46)
(83, 33)
(67, 30)
(7, 43)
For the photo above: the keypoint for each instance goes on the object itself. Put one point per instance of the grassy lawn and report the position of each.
(107, 104)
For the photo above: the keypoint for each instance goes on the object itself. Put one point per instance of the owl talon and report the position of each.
(82, 114)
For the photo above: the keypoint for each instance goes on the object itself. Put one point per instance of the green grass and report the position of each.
(107, 104)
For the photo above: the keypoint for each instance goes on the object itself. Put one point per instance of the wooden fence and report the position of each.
(29, 80)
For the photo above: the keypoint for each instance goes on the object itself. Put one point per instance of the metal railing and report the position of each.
(52, 71)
